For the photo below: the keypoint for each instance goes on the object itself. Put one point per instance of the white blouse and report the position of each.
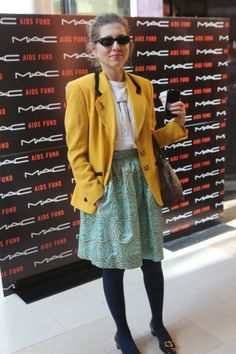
(125, 129)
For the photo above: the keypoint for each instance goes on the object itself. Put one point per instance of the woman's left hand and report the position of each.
(178, 109)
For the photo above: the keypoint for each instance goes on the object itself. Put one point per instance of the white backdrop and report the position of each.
(26, 6)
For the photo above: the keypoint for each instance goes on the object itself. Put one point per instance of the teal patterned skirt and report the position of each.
(128, 224)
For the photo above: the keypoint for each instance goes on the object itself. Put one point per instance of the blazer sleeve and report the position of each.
(170, 133)
(77, 133)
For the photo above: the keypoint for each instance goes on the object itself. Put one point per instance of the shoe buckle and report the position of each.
(168, 344)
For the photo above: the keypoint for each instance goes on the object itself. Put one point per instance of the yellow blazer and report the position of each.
(90, 123)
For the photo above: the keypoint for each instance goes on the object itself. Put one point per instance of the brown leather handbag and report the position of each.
(171, 189)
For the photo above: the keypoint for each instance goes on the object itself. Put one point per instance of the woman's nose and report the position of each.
(115, 45)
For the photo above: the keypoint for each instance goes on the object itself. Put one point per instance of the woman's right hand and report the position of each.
(98, 202)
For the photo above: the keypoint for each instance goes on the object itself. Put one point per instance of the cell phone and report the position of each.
(172, 96)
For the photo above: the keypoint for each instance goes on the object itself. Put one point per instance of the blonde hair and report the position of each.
(94, 31)
(102, 20)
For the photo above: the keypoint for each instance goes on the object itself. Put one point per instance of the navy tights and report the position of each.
(114, 293)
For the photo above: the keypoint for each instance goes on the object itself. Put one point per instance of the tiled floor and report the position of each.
(200, 308)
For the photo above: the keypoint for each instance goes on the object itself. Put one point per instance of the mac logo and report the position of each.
(218, 24)
(48, 73)
(46, 39)
(153, 23)
(160, 53)
(63, 255)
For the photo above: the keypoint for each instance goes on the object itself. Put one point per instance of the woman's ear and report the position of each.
(90, 48)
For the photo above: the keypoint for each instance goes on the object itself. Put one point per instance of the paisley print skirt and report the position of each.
(128, 224)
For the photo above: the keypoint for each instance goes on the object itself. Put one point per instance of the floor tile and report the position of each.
(30, 328)
(219, 320)
(96, 337)
(228, 348)
(227, 245)
(193, 339)
(78, 309)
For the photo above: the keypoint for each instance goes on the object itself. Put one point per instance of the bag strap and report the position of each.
(156, 146)
(98, 93)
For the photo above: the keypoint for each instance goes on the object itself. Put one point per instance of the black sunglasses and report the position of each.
(109, 41)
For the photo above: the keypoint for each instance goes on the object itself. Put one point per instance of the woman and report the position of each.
(109, 124)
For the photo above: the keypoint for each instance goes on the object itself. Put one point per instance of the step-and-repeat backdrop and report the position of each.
(39, 54)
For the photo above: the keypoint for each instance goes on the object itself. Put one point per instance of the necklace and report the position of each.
(123, 106)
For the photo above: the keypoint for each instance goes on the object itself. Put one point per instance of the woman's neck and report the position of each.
(115, 75)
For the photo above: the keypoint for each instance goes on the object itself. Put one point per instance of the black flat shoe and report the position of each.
(167, 346)
(118, 344)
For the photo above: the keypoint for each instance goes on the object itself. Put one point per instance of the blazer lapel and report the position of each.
(106, 108)
(138, 104)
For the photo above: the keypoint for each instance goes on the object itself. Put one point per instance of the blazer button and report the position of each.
(141, 152)
(146, 167)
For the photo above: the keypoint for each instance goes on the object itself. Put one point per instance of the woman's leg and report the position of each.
(154, 284)
(114, 293)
